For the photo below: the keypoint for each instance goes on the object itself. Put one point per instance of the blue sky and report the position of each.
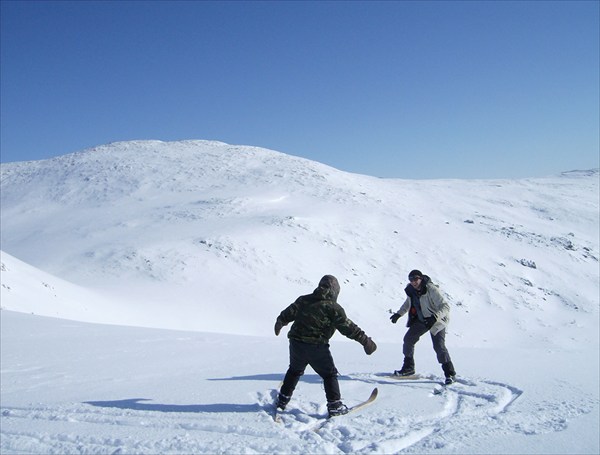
(490, 89)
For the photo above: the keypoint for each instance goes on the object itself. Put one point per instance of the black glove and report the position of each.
(430, 321)
(394, 318)
(278, 326)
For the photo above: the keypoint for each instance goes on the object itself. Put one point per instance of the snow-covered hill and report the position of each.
(195, 232)
(216, 240)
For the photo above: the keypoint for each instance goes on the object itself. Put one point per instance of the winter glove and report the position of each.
(430, 321)
(394, 318)
(369, 346)
(367, 343)
(278, 326)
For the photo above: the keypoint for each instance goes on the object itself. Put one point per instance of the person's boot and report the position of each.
(336, 408)
(449, 373)
(282, 401)
(408, 367)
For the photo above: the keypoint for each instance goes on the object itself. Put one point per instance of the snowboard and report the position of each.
(441, 388)
(406, 378)
(352, 409)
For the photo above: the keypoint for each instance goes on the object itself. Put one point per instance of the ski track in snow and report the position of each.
(139, 426)
(374, 431)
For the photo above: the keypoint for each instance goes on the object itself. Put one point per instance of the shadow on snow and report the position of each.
(144, 404)
(276, 378)
(139, 404)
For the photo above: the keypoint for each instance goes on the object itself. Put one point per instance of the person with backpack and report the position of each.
(427, 311)
(315, 319)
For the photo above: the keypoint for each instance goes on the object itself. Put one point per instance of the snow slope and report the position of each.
(72, 387)
(214, 240)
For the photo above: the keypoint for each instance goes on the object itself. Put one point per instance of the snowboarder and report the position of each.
(315, 319)
(427, 311)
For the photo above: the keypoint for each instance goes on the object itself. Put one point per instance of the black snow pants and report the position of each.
(418, 329)
(318, 356)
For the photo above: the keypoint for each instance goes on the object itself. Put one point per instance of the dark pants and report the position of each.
(415, 331)
(319, 358)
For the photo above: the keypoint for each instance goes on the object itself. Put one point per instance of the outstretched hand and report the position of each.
(278, 326)
(394, 318)
(369, 346)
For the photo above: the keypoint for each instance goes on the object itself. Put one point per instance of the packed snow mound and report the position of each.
(203, 235)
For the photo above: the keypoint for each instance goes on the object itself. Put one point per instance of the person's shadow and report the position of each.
(144, 404)
(141, 404)
(275, 378)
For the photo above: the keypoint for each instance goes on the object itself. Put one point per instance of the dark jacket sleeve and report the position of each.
(345, 326)
(289, 314)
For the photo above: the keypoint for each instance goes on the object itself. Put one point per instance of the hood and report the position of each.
(328, 289)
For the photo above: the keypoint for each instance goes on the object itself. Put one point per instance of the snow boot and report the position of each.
(449, 373)
(408, 368)
(336, 408)
(282, 401)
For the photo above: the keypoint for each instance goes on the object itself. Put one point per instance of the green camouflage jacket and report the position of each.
(317, 316)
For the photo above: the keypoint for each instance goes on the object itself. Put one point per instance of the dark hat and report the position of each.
(415, 274)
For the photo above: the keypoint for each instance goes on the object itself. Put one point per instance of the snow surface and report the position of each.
(163, 266)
